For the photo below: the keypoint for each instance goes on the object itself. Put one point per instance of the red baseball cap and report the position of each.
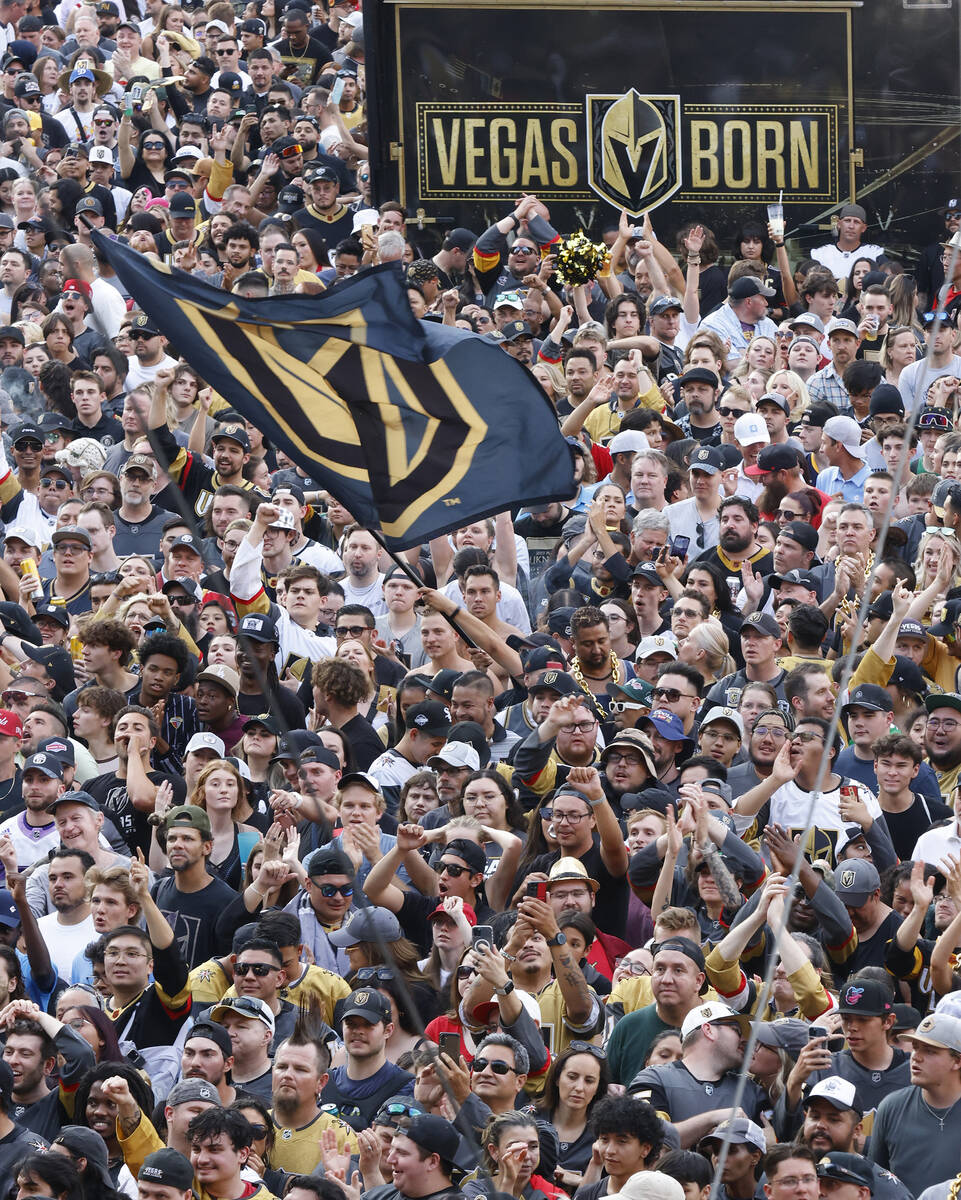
(10, 723)
(441, 911)
(78, 285)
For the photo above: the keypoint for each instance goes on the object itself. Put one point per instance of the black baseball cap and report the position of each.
(429, 718)
(801, 532)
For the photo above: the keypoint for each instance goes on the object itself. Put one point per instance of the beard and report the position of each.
(770, 499)
(735, 542)
(945, 761)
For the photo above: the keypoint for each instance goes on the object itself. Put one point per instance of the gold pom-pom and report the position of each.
(579, 260)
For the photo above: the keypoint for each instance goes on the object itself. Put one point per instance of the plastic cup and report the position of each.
(775, 217)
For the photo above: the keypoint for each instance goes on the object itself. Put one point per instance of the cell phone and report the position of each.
(337, 91)
(679, 546)
(482, 936)
(637, 231)
(848, 792)
(449, 1044)
(537, 890)
(816, 1031)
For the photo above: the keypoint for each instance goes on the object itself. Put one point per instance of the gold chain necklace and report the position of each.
(578, 671)
(955, 1188)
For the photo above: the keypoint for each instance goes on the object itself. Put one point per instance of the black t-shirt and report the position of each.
(110, 792)
(610, 905)
(364, 741)
(292, 712)
(906, 827)
(193, 916)
(11, 795)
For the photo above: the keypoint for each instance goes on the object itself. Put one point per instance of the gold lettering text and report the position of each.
(503, 158)
(472, 151)
(770, 149)
(737, 158)
(447, 154)
(704, 168)
(564, 167)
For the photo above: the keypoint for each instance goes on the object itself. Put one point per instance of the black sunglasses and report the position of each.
(586, 1048)
(499, 1068)
(374, 974)
(259, 969)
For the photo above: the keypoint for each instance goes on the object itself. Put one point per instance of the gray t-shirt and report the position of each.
(908, 1139)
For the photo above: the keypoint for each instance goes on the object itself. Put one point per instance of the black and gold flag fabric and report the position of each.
(416, 428)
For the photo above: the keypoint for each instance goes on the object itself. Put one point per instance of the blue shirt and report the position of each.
(831, 481)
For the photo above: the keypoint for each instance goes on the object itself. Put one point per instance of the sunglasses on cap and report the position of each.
(396, 1109)
(292, 151)
(945, 318)
(374, 974)
(586, 1048)
(934, 421)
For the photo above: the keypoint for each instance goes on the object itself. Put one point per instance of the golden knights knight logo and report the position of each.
(633, 158)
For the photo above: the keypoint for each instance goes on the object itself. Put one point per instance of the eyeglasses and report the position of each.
(78, 1022)
(11, 697)
(586, 1048)
(671, 695)
(726, 411)
(771, 731)
(629, 760)
(60, 485)
(699, 531)
(577, 727)
(570, 818)
(123, 955)
(947, 724)
(815, 737)
(13, 71)
(793, 1181)
(499, 1068)
(138, 335)
(632, 968)
(353, 631)
(70, 548)
(260, 969)
(375, 975)
(455, 870)
(330, 890)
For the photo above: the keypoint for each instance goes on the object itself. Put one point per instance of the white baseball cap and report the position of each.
(100, 154)
(725, 714)
(207, 741)
(750, 430)
(657, 643)
(631, 440)
(710, 1014)
(846, 431)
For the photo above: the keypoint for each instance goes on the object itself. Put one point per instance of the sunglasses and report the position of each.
(259, 969)
(454, 870)
(183, 601)
(329, 890)
(257, 1131)
(293, 151)
(466, 972)
(374, 975)
(586, 1048)
(396, 1109)
(623, 706)
(154, 146)
(933, 421)
(785, 514)
(499, 1068)
(28, 445)
(725, 411)
(178, 185)
(671, 695)
(141, 335)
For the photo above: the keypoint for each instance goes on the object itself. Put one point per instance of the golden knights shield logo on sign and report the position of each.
(633, 149)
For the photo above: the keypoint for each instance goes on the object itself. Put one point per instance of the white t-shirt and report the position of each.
(789, 809)
(840, 262)
(63, 941)
(371, 597)
(510, 609)
(138, 374)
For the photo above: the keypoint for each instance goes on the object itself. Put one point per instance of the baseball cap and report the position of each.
(731, 715)
(663, 304)
(440, 911)
(188, 816)
(700, 375)
(628, 441)
(749, 430)
(469, 851)
(633, 739)
(24, 430)
(784, 1033)
(760, 624)
(168, 1167)
(748, 286)
(223, 675)
(214, 1033)
(740, 1131)
(907, 676)
(707, 459)
(434, 1134)
(804, 578)
(837, 1091)
(363, 778)
(46, 763)
(841, 325)
(10, 917)
(869, 696)
(140, 462)
(657, 643)
(89, 204)
(182, 204)
(710, 1014)
(74, 797)
(460, 239)
(853, 210)
(10, 724)
(236, 433)
(636, 690)
(53, 612)
(454, 754)
(844, 1167)
(370, 1005)
(187, 1090)
(938, 1029)
(807, 320)
(855, 881)
(367, 925)
(514, 330)
(251, 1007)
(258, 627)
(912, 629)
(668, 725)
(775, 458)
(442, 684)
(681, 945)
(846, 431)
(556, 681)
(205, 740)
(948, 614)
(801, 532)
(144, 324)
(429, 718)
(867, 997)
(329, 860)
(648, 572)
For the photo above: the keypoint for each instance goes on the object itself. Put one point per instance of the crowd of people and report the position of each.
(326, 875)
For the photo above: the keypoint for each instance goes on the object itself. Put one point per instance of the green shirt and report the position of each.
(631, 1040)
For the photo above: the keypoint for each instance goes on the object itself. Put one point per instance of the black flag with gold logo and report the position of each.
(416, 428)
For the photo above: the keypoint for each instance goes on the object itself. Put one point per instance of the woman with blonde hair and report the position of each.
(707, 650)
(551, 380)
(900, 350)
(792, 387)
(936, 543)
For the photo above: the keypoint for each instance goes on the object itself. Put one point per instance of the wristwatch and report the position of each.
(559, 939)
(506, 989)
